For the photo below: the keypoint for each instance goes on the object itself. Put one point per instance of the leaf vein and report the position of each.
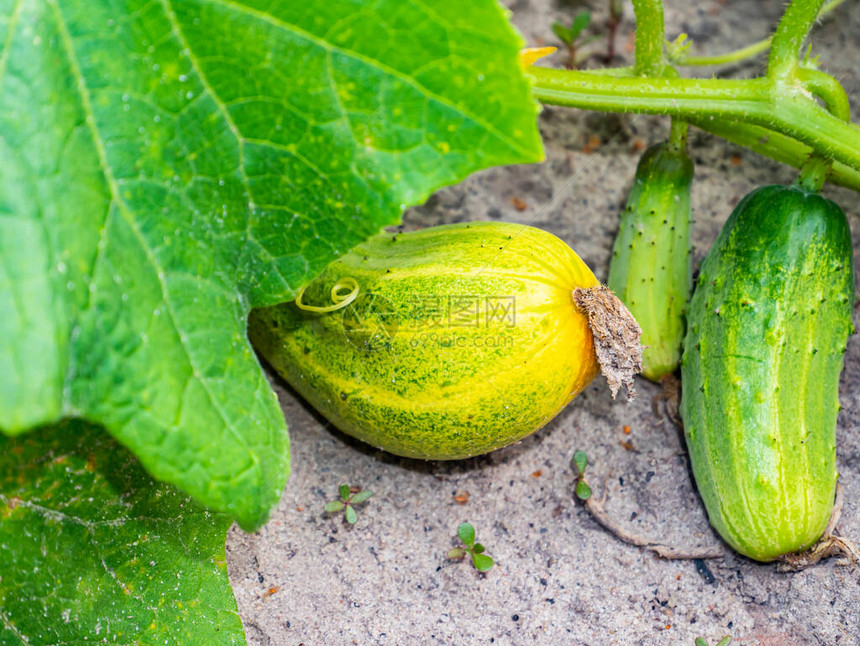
(7, 46)
(225, 113)
(127, 216)
(379, 65)
(8, 625)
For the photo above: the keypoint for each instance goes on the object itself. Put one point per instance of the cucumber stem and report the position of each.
(813, 174)
(678, 135)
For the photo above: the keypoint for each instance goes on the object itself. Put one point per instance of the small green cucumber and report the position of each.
(461, 338)
(768, 327)
(651, 270)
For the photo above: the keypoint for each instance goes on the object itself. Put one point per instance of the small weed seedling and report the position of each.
(345, 504)
(616, 11)
(583, 491)
(481, 561)
(677, 50)
(569, 35)
(725, 641)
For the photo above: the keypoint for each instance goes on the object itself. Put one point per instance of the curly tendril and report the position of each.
(339, 297)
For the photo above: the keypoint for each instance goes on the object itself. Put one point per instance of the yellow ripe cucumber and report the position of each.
(454, 341)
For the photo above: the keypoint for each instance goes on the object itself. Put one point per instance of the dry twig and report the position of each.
(598, 512)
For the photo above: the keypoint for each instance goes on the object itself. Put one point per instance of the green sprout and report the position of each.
(570, 34)
(481, 561)
(345, 504)
(725, 641)
(809, 61)
(678, 50)
(583, 491)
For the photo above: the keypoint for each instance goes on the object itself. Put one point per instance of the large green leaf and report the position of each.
(165, 165)
(92, 550)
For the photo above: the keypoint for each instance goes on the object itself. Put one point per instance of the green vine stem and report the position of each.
(829, 90)
(745, 52)
(650, 37)
(723, 59)
(792, 30)
(787, 108)
(778, 115)
(618, 72)
(777, 146)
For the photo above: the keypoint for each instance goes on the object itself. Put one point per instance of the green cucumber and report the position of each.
(768, 327)
(651, 267)
(460, 339)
